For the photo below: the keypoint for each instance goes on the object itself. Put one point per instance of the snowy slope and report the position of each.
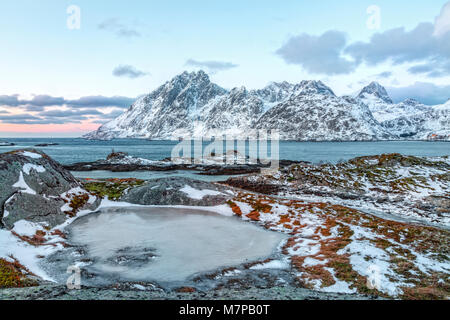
(409, 119)
(314, 112)
(190, 105)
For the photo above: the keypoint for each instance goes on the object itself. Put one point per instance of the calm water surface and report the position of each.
(80, 150)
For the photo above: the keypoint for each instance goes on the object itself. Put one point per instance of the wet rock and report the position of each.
(6, 144)
(178, 191)
(46, 144)
(31, 184)
(255, 186)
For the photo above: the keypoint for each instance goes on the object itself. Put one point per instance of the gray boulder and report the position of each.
(31, 184)
(178, 191)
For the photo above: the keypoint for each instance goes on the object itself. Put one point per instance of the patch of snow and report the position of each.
(28, 166)
(310, 262)
(340, 286)
(21, 184)
(31, 155)
(139, 287)
(199, 194)
(26, 228)
(25, 253)
(274, 264)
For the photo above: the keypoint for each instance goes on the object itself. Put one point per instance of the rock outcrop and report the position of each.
(178, 191)
(31, 188)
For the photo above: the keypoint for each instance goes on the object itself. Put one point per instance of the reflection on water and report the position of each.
(164, 244)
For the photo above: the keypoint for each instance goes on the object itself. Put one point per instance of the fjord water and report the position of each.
(178, 242)
(79, 150)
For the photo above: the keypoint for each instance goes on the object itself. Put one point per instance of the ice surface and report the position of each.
(166, 244)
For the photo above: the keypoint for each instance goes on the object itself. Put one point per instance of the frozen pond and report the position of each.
(166, 244)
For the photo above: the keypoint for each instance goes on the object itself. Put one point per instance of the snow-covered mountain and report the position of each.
(315, 113)
(168, 112)
(190, 105)
(374, 94)
(408, 119)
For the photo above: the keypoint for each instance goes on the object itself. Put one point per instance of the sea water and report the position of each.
(79, 150)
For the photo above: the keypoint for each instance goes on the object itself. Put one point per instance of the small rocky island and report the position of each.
(213, 165)
(386, 215)
(6, 144)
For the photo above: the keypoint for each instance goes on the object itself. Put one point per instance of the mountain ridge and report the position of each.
(190, 105)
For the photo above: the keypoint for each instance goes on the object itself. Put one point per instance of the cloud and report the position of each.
(397, 45)
(425, 92)
(442, 23)
(118, 28)
(22, 119)
(432, 69)
(128, 71)
(45, 100)
(330, 53)
(69, 113)
(12, 100)
(318, 54)
(73, 111)
(40, 101)
(32, 108)
(101, 102)
(384, 75)
(54, 117)
(400, 46)
(213, 66)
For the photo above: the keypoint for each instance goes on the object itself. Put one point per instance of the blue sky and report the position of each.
(128, 48)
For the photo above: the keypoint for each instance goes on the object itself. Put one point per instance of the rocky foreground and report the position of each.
(391, 185)
(349, 228)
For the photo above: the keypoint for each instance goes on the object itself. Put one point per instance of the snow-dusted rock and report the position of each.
(178, 191)
(31, 185)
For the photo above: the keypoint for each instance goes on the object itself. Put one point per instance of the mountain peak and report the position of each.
(376, 90)
(313, 87)
(195, 75)
(411, 102)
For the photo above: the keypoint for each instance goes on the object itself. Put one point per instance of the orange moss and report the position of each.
(185, 290)
(235, 208)
(59, 233)
(334, 233)
(14, 275)
(254, 216)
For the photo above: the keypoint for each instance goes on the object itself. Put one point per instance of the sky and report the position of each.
(68, 66)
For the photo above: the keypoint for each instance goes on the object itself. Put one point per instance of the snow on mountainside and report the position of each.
(314, 112)
(376, 93)
(408, 119)
(167, 112)
(190, 105)
(432, 124)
